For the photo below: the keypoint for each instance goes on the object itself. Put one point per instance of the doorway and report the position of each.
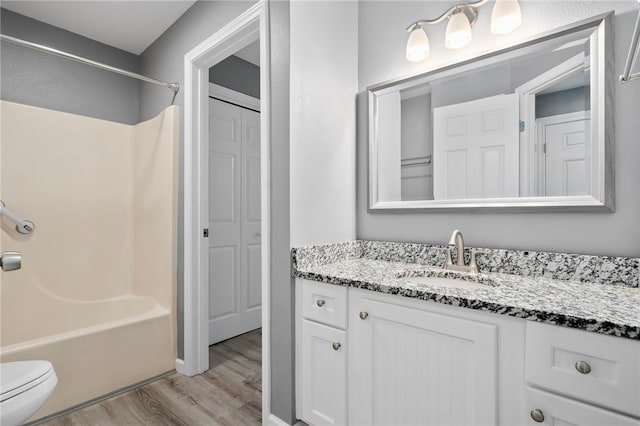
(234, 195)
(252, 25)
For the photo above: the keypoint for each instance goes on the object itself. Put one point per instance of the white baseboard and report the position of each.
(180, 366)
(273, 420)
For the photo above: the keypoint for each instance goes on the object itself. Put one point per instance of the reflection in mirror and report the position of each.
(511, 126)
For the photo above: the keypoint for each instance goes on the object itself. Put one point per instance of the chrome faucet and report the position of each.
(457, 241)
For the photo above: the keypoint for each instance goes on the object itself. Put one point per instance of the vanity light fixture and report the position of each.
(505, 17)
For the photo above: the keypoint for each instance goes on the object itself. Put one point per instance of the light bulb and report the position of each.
(506, 16)
(417, 45)
(458, 31)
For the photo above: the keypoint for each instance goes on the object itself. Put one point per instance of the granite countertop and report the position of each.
(606, 309)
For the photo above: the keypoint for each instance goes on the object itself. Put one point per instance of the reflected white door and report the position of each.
(234, 221)
(565, 146)
(475, 149)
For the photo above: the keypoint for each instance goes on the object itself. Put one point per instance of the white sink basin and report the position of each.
(445, 282)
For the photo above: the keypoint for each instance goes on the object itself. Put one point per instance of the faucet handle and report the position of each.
(447, 251)
(473, 266)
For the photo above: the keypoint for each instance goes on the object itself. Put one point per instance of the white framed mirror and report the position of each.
(521, 129)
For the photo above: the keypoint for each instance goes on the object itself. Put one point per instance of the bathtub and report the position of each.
(96, 294)
(96, 347)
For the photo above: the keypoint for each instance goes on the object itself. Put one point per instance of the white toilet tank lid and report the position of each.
(14, 375)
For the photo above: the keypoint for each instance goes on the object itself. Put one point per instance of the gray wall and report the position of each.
(39, 79)
(237, 74)
(165, 58)
(563, 102)
(282, 288)
(381, 58)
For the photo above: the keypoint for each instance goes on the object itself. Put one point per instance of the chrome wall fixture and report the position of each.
(505, 17)
(634, 53)
(23, 226)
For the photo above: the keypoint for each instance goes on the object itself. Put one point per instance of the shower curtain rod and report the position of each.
(174, 87)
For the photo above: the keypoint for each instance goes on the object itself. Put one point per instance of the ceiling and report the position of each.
(128, 25)
(251, 53)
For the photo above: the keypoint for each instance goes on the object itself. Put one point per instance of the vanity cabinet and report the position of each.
(324, 376)
(550, 409)
(413, 366)
(322, 349)
(366, 358)
(573, 367)
(403, 360)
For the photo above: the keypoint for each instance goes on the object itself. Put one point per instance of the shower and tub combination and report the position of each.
(95, 295)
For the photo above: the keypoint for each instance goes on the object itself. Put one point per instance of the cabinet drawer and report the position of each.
(599, 369)
(324, 303)
(557, 410)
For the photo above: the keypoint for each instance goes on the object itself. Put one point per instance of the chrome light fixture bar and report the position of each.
(505, 17)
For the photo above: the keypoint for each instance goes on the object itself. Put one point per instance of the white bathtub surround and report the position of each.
(98, 275)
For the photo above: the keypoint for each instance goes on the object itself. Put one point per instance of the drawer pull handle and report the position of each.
(320, 303)
(583, 367)
(336, 346)
(537, 415)
(364, 315)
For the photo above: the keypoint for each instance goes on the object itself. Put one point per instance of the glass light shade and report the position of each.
(418, 45)
(458, 31)
(506, 16)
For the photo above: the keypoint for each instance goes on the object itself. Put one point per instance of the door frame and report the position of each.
(250, 26)
(527, 96)
(228, 95)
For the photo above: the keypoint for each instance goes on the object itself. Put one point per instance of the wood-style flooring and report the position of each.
(230, 393)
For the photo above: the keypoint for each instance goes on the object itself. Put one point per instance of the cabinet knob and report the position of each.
(320, 303)
(537, 415)
(336, 346)
(583, 367)
(364, 315)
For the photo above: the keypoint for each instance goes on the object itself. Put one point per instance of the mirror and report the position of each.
(528, 127)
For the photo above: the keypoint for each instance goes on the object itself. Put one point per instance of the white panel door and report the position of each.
(324, 374)
(476, 149)
(251, 219)
(413, 367)
(234, 221)
(566, 147)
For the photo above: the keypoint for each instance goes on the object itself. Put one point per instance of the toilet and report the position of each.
(24, 386)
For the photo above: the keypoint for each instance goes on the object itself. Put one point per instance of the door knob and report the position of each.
(11, 260)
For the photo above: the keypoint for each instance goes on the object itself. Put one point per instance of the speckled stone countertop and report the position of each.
(598, 294)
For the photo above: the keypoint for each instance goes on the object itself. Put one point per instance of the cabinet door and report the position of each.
(555, 410)
(413, 367)
(324, 374)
